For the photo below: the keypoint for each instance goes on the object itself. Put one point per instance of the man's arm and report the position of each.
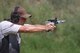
(36, 28)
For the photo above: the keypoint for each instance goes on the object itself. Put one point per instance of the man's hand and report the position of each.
(50, 26)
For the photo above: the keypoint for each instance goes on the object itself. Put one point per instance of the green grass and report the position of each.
(66, 39)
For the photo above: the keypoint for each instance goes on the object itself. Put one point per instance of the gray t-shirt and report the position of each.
(7, 27)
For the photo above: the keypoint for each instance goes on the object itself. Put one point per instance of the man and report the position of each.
(10, 30)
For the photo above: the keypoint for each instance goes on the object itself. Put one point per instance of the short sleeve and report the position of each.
(8, 27)
(14, 28)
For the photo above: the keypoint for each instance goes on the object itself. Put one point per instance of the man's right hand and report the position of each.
(50, 26)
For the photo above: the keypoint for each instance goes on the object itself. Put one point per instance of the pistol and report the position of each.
(56, 21)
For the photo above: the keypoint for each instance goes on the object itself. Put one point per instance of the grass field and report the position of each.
(66, 39)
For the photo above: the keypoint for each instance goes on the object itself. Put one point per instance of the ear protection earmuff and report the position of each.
(15, 15)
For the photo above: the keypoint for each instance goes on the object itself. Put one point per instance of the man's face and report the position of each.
(23, 18)
(22, 21)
